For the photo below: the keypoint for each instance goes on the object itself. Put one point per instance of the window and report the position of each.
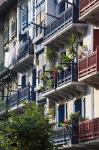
(61, 113)
(40, 21)
(78, 106)
(39, 76)
(23, 81)
(61, 7)
(24, 16)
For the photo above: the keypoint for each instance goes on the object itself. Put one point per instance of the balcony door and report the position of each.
(61, 112)
(23, 81)
(78, 106)
(95, 39)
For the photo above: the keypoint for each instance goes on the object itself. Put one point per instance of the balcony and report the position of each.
(89, 131)
(21, 96)
(24, 59)
(39, 47)
(89, 10)
(88, 69)
(65, 137)
(5, 5)
(65, 84)
(57, 31)
(61, 137)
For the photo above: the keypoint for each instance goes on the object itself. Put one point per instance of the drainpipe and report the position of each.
(92, 102)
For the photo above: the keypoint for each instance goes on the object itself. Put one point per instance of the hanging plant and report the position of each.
(51, 54)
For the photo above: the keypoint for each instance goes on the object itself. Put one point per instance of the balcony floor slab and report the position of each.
(91, 79)
(90, 13)
(67, 91)
(23, 64)
(59, 38)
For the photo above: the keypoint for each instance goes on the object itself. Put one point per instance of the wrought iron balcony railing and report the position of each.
(65, 135)
(61, 136)
(23, 94)
(67, 17)
(68, 75)
(24, 50)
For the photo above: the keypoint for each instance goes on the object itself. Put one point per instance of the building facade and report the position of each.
(49, 54)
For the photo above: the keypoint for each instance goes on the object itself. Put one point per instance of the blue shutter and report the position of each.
(23, 81)
(61, 7)
(78, 106)
(77, 2)
(61, 113)
(24, 17)
(33, 84)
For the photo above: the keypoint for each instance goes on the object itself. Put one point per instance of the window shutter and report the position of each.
(78, 106)
(61, 113)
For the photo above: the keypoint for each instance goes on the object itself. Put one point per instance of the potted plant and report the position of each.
(44, 76)
(66, 61)
(51, 54)
(59, 68)
(50, 83)
(42, 88)
(74, 117)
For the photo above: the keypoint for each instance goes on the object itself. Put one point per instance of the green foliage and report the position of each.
(50, 83)
(74, 117)
(44, 76)
(71, 44)
(28, 131)
(59, 68)
(66, 59)
(51, 54)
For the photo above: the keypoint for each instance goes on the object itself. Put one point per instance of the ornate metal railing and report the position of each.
(70, 15)
(25, 49)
